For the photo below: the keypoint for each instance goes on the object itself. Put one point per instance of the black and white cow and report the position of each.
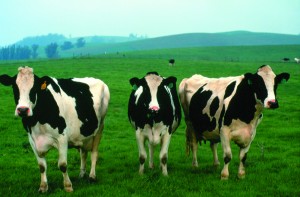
(225, 109)
(154, 112)
(60, 113)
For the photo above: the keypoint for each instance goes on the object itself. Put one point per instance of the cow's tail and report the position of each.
(189, 137)
(188, 130)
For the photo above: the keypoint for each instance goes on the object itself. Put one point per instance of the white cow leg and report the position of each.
(214, 147)
(163, 156)
(243, 157)
(43, 169)
(94, 155)
(42, 165)
(142, 152)
(227, 154)
(62, 164)
(83, 157)
(151, 153)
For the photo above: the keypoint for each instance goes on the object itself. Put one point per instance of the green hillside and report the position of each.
(239, 38)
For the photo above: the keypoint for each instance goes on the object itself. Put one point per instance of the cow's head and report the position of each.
(264, 84)
(24, 88)
(153, 90)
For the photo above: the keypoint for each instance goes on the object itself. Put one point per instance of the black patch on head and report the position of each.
(201, 122)
(141, 115)
(214, 106)
(84, 104)
(46, 109)
(229, 89)
(153, 73)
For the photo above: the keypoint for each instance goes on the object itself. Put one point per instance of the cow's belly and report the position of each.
(155, 133)
(241, 133)
(213, 136)
(44, 137)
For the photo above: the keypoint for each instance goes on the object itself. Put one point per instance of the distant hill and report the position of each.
(45, 40)
(115, 44)
(236, 38)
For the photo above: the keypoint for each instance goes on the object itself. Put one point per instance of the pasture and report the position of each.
(272, 166)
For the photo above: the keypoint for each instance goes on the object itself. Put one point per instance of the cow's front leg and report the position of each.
(214, 147)
(42, 165)
(227, 154)
(163, 156)
(62, 163)
(140, 138)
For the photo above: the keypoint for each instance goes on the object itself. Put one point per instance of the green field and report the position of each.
(273, 163)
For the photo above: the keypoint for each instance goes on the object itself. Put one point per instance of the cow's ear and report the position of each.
(282, 78)
(171, 81)
(249, 77)
(134, 83)
(7, 80)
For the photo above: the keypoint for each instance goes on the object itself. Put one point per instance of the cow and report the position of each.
(297, 60)
(154, 112)
(60, 113)
(171, 62)
(285, 59)
(225, 109)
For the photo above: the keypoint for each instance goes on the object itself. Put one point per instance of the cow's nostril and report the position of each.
(23, 111)
(273, 104)
(154, 108)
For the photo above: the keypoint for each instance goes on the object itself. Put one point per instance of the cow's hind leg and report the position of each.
(243, 157)
(163, 156)
(214, 147)
(142, 152)
(151, 153)
(83, 157)
(227, 154)
(94, 154)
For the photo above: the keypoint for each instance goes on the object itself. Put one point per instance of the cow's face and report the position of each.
(24, 91)
(152, 91)
(264, 84)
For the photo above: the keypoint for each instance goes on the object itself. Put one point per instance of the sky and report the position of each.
(151, 18)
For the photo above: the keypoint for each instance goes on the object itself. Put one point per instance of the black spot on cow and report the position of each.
(84, 104)
(202, 122)
(214, 106)
(229, 89)
(242, 104)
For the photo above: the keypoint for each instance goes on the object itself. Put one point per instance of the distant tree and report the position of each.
(80, 42)
(67, 45)
(51, 50)
(34, 51)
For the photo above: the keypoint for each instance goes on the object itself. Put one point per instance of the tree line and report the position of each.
(17, 52)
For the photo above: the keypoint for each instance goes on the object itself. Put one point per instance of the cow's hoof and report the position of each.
(69, 189)
(242, 175)
(224, 177)
(92, 179)
(43, 188)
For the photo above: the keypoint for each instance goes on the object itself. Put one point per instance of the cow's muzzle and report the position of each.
(23, 111)
(273, 104)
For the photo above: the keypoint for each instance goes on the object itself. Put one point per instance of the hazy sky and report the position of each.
(22, 18)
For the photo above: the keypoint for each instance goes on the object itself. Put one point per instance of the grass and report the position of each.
(272, 167)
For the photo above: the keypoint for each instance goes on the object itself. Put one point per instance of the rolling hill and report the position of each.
(96, 45)
(238, 38)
